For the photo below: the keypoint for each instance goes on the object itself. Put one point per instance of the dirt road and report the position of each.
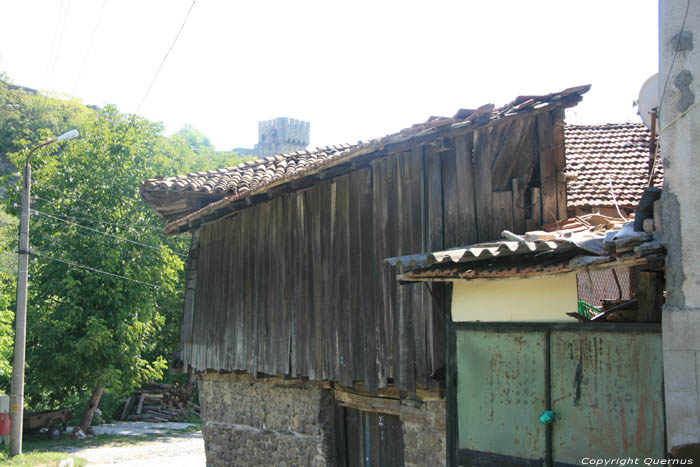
(175, 450)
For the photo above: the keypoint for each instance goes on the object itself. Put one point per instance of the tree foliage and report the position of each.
(106, 287)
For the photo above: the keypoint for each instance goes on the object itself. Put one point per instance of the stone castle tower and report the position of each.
(281, 135)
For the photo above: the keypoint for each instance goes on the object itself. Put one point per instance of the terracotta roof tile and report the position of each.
(597, 154)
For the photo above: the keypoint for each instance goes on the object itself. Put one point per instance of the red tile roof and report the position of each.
(619, 151)
(244, 180)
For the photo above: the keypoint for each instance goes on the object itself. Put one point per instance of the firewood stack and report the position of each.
(158, 403)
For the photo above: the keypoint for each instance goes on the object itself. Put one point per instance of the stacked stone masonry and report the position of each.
(250, 421)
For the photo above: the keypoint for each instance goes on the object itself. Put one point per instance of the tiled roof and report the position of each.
(597, 154)
(244, 180)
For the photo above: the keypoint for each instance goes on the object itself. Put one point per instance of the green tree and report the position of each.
(89, 330)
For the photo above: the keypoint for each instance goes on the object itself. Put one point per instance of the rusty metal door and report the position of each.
(606, 395)
(501, 391)
(603, 384)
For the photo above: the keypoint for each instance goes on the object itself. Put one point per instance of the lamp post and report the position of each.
(17, 388)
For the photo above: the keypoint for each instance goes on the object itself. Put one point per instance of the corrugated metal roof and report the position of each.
(481, 251)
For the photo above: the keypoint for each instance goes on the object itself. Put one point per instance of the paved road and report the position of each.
(175, 450)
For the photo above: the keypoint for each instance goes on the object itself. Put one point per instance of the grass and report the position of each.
(38, 450)
(37, 458)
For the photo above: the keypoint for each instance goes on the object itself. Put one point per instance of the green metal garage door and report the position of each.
(603, 383)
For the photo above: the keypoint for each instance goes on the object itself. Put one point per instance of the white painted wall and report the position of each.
(680, 213)
(537, 299)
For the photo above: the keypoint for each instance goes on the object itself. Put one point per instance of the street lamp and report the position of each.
(17, 388)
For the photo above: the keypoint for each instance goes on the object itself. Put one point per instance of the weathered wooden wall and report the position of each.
(297, 285)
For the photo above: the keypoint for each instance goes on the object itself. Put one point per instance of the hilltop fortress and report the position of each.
(281, 135)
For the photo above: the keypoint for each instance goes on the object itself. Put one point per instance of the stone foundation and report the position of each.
(424, 433)
(250, 421)
(256, 422)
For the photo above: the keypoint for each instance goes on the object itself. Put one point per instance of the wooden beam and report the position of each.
(368, 403)
(650, 293)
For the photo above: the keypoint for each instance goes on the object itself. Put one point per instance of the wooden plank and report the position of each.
(316, 280)
(547, 168)
(502, 211)
(518, 190)
(279, 271)
(416, 187)
(355, 279)
(342, 247)
(140, 406)
(559, 161)
(434, 242)
(406, 378)
(535, 220)
(384, 271)
(467, 222)
(238, 288)
(517, 153)
(228, 305)
(327, 300)
(650, 293)
(482, 185)
(297, 233)
(370, 265)
(368, 403)
(393, 236)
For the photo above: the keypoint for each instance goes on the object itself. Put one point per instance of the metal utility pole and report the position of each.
(17, 388)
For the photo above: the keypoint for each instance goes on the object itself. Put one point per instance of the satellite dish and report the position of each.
(649, 100)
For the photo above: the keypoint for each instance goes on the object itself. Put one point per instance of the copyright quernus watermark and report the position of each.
(622, 461)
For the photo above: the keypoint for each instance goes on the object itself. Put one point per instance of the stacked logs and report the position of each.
(159, 403)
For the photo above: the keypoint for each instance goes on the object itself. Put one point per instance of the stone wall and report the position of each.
(250, 421)
(424, 433)
(258, 422)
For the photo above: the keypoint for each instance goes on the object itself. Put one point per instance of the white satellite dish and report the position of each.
(649, 100)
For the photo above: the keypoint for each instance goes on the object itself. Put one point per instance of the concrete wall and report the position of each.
(537, 298)
(680, 213)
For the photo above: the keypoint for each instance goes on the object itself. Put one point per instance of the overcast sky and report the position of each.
(354, 69)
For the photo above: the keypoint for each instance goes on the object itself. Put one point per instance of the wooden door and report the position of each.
(373, 439)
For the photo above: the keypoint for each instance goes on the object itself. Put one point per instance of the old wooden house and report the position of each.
(308, 350)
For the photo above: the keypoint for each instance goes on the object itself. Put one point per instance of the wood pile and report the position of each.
(159, 403)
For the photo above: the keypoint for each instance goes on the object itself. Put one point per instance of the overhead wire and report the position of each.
(106, 234)
(57, 54)
(140, 225)
(98, 221)
(89, 49)
(177, 36)
(95, 270)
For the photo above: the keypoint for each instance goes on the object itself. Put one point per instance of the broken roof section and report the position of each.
(598, 155)
(188, 201)
(592, 241)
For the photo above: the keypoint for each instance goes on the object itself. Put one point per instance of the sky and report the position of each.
(354, 69)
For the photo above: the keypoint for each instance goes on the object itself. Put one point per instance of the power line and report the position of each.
(95, 270)
(58, 50)
(44, 82)
(104, 233)
(675, 53)
(89, 219)
(164, 58)
(94, 219)
(87, 53)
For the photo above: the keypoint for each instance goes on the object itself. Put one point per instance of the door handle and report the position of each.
(547, 417)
